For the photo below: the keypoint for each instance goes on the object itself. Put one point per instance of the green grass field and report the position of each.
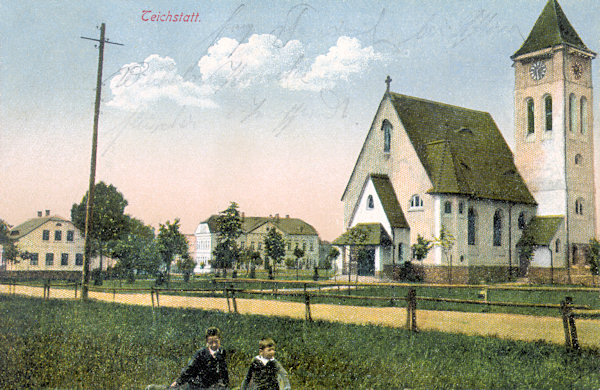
(95, 345)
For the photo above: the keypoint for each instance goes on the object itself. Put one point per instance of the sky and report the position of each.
(262, 103)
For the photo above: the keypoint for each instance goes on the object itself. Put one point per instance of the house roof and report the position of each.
(375, 234)
(542, 229)
(291, 226)
(387, 196)
(551, 28)
(462, 150)
(30, 225)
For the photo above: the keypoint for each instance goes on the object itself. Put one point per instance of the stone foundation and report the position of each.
(490, 274)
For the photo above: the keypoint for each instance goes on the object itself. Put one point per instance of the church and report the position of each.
(431, 170)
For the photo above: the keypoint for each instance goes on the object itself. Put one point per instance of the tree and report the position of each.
(229, 226)
(10, 252)
(594, 258)
(186, 264)
(170, 242)
(108, 218)
(357, 236)
(298, 253)
(136, 250)
(421, 248)
(331, 256)
(446, 242)
(274, 247)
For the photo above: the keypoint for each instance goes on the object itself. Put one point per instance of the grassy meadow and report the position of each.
(59, 344)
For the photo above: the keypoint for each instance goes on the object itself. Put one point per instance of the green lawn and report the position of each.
(96, 345)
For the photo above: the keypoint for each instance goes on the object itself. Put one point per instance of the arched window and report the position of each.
(461, 207)
(498, 228)
(579, 206)
(572, 112)
(387, 136)
(471, 226)
(522, 222)
(557, 245)
(416, 202)
(530, 116)
(578, 159)
(548, 111)
(583, 114)
(448, 207)
(370, 202)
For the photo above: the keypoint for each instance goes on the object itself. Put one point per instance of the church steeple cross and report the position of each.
(388, 80)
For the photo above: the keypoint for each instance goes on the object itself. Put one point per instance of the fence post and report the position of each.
(233, 299)
(76, 285)
(152, 295)
(157, 302)
(226, 292)
(568, 317)
(307, 316)
(411, 310)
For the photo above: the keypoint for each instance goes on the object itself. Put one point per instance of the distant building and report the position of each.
(296, 234)
(53, 244)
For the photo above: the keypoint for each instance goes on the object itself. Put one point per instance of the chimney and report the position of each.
(39, 213)
(243, 216)
(47, 213)
(277, 216)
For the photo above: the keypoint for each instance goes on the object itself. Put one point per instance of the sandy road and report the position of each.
(507, 326)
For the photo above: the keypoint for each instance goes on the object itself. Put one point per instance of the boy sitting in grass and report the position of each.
(207, 369)
(265, 372)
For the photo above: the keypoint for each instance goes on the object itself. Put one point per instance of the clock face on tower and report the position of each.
(537, 70)
(577, 70)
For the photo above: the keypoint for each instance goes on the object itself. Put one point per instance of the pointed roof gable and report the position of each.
(551, 28)
(462, 150)
(387, 196)
(374, 234)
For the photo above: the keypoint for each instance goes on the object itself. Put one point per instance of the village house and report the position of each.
(295, 232)
(52, 243)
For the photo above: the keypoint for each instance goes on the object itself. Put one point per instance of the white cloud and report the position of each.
(262, 59)
(345, 58)
(138, 85)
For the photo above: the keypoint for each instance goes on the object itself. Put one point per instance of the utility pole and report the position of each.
(89, 212)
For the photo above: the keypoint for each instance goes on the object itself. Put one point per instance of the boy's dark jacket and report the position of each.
(270, 376)
(205, 371)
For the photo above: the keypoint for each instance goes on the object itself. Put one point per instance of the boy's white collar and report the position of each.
(264, 360)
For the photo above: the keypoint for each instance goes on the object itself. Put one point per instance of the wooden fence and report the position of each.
(226, 288)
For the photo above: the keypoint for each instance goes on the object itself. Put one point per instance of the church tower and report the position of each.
(554, 125)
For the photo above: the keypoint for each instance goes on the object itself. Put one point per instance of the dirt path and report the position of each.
(507, 326)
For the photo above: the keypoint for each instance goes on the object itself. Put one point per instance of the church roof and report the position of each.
(292, 226)
(371, 233)
(387, 196)
(542, 229)
(462, 150)
(552, 28)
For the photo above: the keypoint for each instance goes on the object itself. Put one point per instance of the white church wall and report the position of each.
(376, 214)
(542, 257)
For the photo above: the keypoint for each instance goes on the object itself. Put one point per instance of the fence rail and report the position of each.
(226, 288)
